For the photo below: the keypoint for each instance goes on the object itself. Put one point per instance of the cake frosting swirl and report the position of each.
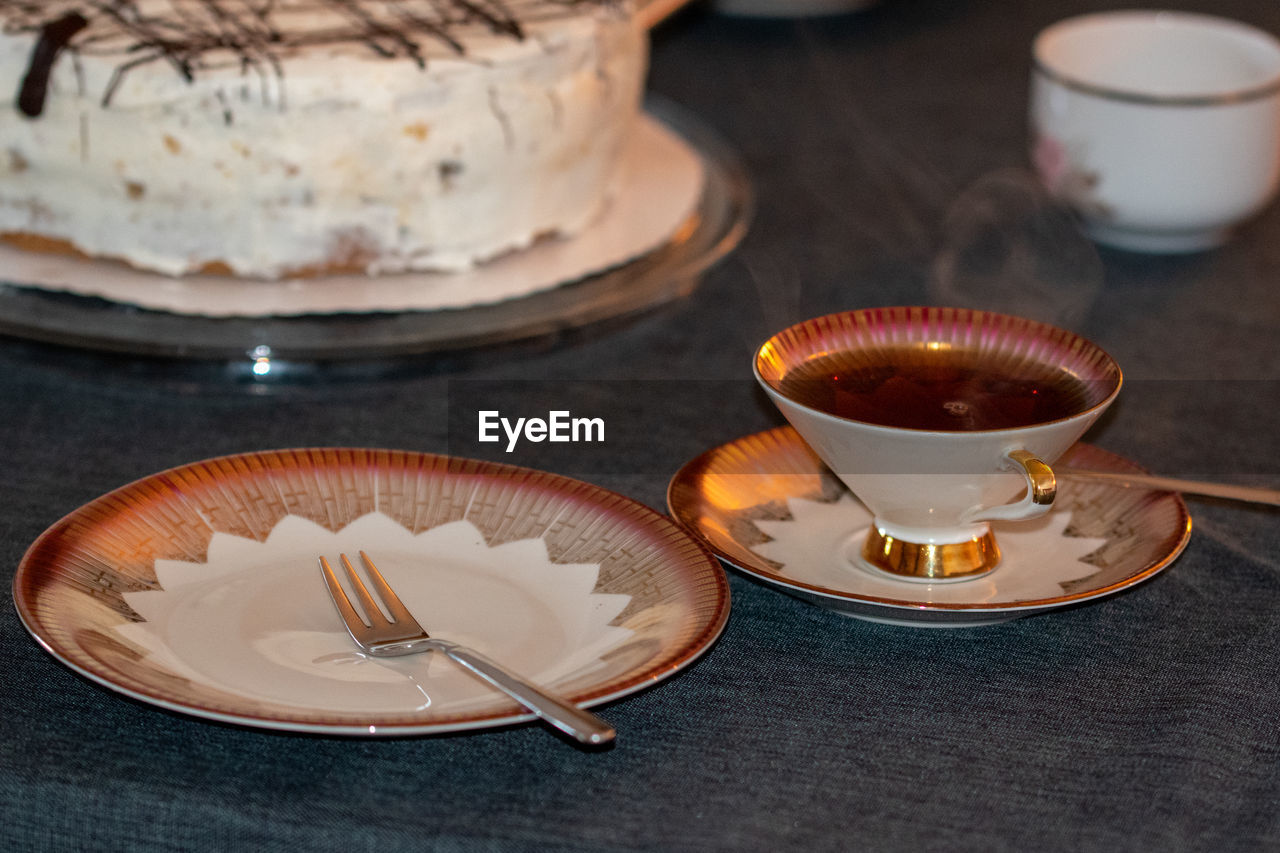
(271, 138)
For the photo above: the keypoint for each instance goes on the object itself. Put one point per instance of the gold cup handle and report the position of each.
(1042, 488)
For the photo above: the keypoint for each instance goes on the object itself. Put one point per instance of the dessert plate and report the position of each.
(198, 590)
(767, 506)
(687, 203)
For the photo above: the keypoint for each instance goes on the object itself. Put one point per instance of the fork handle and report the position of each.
(582, 725)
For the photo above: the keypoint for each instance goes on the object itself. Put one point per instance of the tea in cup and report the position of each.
(1161, 129)
(939, 420)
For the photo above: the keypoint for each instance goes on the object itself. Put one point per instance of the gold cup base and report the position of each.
(952, 561)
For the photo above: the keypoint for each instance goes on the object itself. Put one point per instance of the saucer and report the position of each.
(198, 589)
(768, 507)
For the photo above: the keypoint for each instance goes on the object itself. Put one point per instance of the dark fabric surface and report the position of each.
(887, 150)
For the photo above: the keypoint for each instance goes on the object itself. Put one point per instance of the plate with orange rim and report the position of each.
(768, 507)
(197, 589)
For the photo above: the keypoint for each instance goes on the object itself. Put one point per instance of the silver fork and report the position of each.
(402, 635)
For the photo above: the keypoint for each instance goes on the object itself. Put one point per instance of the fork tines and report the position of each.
(374, 625)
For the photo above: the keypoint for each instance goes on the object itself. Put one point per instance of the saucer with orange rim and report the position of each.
(768, 507)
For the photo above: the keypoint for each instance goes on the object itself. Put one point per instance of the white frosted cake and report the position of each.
(272, 138)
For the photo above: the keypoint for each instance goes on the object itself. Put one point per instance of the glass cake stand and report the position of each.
(262, 345)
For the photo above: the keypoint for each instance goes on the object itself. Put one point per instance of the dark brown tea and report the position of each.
(941, 391)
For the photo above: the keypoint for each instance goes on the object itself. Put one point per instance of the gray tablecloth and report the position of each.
(887, 150)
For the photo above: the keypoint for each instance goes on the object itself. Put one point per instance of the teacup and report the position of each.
(939, 420)
(1161, 129)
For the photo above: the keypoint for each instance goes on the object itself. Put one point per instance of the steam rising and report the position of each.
(1007, 246)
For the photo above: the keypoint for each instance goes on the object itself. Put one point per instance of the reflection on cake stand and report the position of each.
(385, 320)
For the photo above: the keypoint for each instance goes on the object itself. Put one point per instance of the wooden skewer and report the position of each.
(1249, 494)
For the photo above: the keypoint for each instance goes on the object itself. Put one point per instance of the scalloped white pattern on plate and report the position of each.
(197, 589)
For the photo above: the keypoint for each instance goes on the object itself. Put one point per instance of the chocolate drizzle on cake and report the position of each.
(54, 36)
(257, 35)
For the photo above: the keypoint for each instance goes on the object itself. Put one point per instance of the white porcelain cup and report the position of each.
(933, 491)
(1162, 129)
